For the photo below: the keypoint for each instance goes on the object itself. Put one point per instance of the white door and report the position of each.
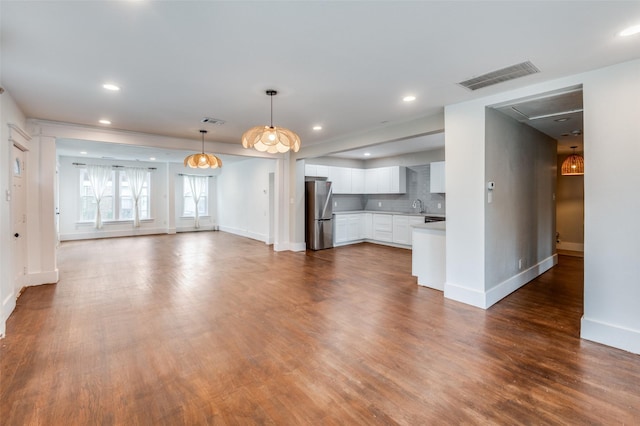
(19, 218)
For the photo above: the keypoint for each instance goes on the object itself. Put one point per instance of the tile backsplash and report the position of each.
(418, 178)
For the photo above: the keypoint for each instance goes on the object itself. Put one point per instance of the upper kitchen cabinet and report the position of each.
(386, 180)
(437, 182)
(357, 181)
(316, 170)
(341, 179)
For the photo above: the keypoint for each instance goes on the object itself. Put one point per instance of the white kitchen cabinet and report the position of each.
(341, 179)
(366, 223)
(316, 170)
(383, 227)
(437, 181)
(340, 231)
(353, 227)
(357, 181)
(386, 180)
(401, 230)
(347, 228)
(371, 181)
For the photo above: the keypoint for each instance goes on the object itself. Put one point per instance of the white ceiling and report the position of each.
(342, 65)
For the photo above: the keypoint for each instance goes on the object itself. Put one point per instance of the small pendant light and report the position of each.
(573, 165)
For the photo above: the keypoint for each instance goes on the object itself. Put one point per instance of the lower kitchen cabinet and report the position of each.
(383, 227)
(401, 230)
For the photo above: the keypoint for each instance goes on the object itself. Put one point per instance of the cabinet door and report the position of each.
(322, 171)
(353, 227)
(366, 221)
(398, 180)
(437, 183)
(340, 227)
(310, 170)
(384, 180)
(357, 181)
(345, 180)
(401, 231)
(371, 181)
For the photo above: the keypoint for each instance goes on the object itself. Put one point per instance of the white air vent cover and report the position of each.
(499, 76)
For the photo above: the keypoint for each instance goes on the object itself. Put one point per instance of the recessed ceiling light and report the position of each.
(111, 86)
(83, 152)
(562, 120)
(104, 121)
(317, 127)
(630, 31)
(409, 98)
(152, 158)
(367, 154)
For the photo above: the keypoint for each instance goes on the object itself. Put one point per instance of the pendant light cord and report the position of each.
(271, 96)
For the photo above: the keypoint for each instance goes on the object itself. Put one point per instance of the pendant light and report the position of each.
(202, 160)
(573, 165)
(270, 138)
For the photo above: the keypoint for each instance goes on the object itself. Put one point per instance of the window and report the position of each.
(117, 203)
(188, 206)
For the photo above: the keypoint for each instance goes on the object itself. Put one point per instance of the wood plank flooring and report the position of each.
(211, 328)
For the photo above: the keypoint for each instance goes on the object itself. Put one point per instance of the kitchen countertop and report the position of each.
(387, 212)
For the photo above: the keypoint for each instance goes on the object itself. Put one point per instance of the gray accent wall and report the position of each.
(520, 220)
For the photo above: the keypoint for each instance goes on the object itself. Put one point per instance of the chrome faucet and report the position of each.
(417, 203)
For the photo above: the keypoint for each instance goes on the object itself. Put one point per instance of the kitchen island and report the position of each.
(428, 261)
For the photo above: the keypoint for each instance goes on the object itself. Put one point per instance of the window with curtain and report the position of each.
(188, 205)
(117, 201)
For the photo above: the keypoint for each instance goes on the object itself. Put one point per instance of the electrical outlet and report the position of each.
(335, 204)
(379, 203)
(520, 263)
(439, 205)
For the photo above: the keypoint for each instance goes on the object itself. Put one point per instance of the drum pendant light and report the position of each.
(573, 165)
(270, 138)
(202, 160)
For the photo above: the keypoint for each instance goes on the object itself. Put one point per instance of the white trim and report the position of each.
(39, 278)
(486, 299)
(111, 234)
(610, 335)
(297, 247)
(193, 229)
(563, 245)
(245, 233)
(510, 285)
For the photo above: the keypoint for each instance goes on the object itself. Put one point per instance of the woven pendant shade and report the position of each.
(271, 139)
(573, 165)
(202, 160)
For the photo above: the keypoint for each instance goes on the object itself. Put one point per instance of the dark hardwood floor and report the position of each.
(210, 328)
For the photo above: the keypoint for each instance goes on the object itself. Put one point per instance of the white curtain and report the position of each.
(197, 184)
(136, 177)
(98, 178)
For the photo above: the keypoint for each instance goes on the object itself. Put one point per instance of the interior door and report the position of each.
(19, 218)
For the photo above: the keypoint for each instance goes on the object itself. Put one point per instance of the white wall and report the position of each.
(612, 206)
(9, 114)
(243, 197)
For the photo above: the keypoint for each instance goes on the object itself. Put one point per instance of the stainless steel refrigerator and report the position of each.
(319, 214)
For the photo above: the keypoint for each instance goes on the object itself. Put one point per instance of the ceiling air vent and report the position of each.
(499, 76)
(210, 120)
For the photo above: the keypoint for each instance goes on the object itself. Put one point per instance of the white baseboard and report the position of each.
(610, 335)
(298, 246)
(111, 234)
(245, 233)
(49, 277)
(564, 245)
(485, 299)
